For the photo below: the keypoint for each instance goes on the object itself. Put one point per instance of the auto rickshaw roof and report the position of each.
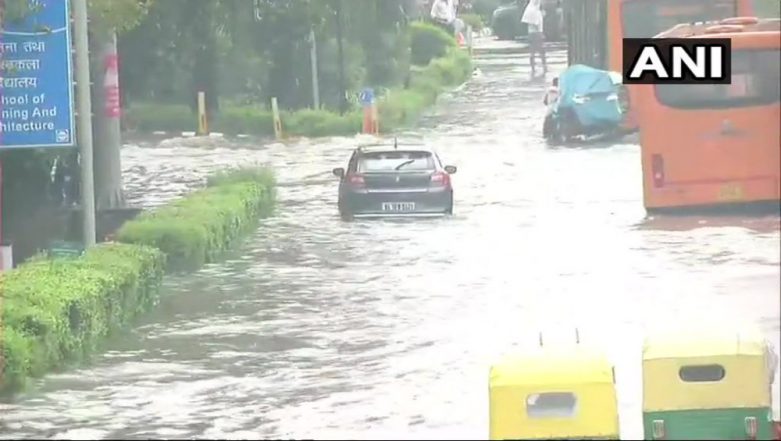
(548, 367)
(704, 344)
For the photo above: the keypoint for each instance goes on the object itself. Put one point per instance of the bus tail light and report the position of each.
(657, 170)
(751, 427)
(658, 426)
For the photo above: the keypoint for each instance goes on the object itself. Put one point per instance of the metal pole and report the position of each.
(84, 106)
(2, 263)
(340, 44)
(315, 80)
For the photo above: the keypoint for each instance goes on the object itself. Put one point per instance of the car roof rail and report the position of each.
(395, 144)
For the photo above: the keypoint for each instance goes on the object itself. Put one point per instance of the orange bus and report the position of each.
(596, 28)
(716, 146)
(646, 18)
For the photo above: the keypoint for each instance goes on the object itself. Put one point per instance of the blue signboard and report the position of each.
(36, 93)
(367, 96)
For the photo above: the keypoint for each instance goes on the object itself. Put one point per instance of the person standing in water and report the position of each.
(533, 17)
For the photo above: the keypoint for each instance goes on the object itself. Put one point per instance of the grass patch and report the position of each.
(56, 312)
(194, 230)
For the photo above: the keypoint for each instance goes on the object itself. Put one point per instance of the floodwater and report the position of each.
(318, 328)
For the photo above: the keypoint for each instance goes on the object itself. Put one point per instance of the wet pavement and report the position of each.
(317, 328)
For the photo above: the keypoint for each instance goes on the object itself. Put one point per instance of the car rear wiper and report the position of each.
(405, 163)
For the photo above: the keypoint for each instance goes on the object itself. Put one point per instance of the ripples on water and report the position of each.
(385, 329)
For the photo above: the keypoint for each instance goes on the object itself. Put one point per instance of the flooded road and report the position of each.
(317, 328)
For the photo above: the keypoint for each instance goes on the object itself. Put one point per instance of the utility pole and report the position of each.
(315, 80)
(340, 44)
(84, 106)
(106, 125)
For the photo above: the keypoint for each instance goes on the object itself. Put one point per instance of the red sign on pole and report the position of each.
(111, 86)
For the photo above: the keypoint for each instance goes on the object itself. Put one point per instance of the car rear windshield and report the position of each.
(395, 160)
(644, 19)
(755, 82)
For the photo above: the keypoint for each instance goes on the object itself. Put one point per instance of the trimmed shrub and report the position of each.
(244, 119)
(314, 123)
(194, 230)
(404, 106)
(146, 117)
(58, 311)
(428, 41)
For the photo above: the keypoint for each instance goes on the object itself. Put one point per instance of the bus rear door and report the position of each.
(715, 144)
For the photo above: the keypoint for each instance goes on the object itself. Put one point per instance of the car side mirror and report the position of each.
(451, 169)
(338, 172)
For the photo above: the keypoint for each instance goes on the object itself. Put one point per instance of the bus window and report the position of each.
(755, 82)
(644, 19)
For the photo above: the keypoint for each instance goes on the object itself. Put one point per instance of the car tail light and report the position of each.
(751, 427)
(440, 179)
(356, 180)
(658, 429)
(657, 170)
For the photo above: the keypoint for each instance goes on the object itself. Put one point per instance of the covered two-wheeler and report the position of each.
(590, 104)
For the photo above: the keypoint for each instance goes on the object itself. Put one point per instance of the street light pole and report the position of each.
(340, 45)
(313, 61)
(84, 106)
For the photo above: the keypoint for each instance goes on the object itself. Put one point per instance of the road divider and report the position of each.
(57, 311)
(195, 229)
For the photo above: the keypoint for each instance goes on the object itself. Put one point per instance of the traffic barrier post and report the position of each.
(277, 119)
(203, 124)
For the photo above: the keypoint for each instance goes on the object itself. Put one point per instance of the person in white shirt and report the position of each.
(533, 17)
(443, 14)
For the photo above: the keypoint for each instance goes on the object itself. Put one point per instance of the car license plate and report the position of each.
(398, 206)
(731, 192)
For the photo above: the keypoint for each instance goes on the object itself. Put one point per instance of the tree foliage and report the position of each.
(119, 15)
(218, 46)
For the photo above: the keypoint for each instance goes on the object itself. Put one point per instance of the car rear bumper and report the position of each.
(370, 204)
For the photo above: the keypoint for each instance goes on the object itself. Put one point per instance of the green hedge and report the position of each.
(404, 106)
(58, 311)
(197, 228)
(55, 311)
(399, 108)
(427, 42)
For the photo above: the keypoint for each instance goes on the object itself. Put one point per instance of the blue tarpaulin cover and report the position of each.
(598, 87)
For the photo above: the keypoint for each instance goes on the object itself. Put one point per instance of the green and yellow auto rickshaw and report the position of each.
(708, 386)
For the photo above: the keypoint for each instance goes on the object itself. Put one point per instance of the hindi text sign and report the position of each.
(36, 79)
